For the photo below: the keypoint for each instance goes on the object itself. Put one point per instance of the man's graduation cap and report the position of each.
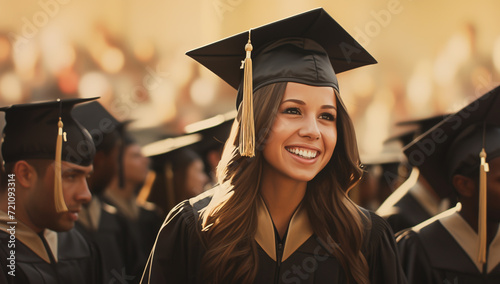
(309, 48)
(455, 145)
(47, 130)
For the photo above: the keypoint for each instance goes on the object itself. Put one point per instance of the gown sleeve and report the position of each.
(176, 254)
(414, 260)
(382, 256)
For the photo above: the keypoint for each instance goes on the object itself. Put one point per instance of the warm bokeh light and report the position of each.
(132, 55)
(5, 49)
(10, 88)
(94, 84)
(25, 60)
(496, 54)
(112, 60)
(202, 92)
(419, 89)
(57, 53)
(144, 50)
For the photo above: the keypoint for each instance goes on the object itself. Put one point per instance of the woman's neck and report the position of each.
(282, 197)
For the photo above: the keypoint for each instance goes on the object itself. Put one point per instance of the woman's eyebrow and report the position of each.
(300, 102)
(294, 101)
(329, 107)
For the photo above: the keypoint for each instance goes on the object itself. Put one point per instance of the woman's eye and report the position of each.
(292, 111)
(327, 116)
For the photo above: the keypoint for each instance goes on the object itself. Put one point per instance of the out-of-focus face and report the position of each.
(135, 164)
(40, 202)
(196, 178)
(304, 133)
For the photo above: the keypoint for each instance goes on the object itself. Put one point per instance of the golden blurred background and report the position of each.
(434, 56)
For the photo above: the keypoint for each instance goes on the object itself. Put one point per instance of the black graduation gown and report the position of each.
(113, 238)
(178, 251)
(409, 212)
(444, 252)
(402, 210)
(149, 223)
(63, 257)
(144, 224)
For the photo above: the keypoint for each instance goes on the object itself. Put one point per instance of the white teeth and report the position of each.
(308, 154)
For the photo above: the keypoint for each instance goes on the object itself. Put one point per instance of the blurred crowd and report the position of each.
(160, 161)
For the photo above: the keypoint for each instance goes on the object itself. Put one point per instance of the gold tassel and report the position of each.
(58, 190)
(247, 130)
(484, 168)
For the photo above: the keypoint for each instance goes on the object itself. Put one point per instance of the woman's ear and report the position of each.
(26, 174)
(465, 186)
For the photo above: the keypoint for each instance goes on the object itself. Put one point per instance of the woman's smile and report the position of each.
(304, 132)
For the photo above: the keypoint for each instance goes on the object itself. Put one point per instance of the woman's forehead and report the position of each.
(309, 93)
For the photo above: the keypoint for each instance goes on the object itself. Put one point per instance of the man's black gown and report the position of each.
(47, 258)
(445, 251)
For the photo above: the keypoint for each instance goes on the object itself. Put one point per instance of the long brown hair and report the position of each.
(230, 220)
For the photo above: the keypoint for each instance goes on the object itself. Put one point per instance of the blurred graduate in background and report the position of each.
(462, 244)
(415, 200)
(214, 132)
(179, 171)
(145, 218)
(100, 222)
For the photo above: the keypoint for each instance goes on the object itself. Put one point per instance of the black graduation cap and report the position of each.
(31, 132)
(167, 145)
(214, 131)
(168, 155)
(463, 142)
(429, 151)
(419, 126)
(425, 123)
(309, 48)
(103, 127)
(306, 48)
(47, 130)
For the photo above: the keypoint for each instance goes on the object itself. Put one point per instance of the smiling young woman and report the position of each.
(282, 213)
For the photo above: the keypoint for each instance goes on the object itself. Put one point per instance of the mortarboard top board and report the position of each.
(101, 125)
(424, 124)
(168, 145)
(214, 130)
(404, 137)
(31, 132)
(430, 150)
(307, 48)
(419, 126)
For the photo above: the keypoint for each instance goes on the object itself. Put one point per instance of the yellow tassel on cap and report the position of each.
(58, 190)
(247, 130)
(483, 169)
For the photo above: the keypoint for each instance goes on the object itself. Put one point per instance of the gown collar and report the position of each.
(31, 239)
(468, 239)
(299, 231)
